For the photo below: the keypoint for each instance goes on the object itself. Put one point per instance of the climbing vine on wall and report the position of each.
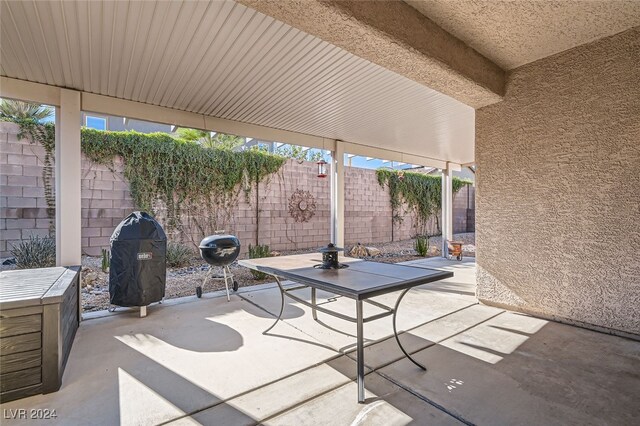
(183, 175)
(422, 193)
(43, 134)
(177, 172)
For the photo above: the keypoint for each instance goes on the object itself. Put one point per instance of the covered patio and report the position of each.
(207, 362)
(527, 334)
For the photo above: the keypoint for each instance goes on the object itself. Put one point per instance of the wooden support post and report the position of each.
(337, 195)
(447, 209)
(68, 163)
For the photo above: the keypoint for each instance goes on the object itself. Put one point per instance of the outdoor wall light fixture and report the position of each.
(322, 168)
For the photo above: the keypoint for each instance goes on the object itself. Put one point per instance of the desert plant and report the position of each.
(36, 252)
(178, 254)
(421, 245)
(210, 140)
(33, 127)
(106, 260)
(11, 110)
(256, 252)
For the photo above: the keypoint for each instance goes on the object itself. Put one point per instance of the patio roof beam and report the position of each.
(391, 155)
(141, 111)
(30, 92)
(91, 102)
(396, 36)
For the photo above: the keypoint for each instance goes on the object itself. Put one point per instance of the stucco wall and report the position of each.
(558, 188)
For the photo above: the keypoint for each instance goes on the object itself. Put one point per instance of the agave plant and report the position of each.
(257, 252)
(35, 252)
(178, 254)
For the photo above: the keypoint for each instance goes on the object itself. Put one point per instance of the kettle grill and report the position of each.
(219, 251)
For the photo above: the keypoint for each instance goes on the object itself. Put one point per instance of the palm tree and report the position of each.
(204, 138)
(29, 117)
(11, 110)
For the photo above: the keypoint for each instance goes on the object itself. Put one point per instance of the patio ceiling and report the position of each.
(225, 60)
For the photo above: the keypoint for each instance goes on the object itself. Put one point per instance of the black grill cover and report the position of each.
(137, 273)
(220, 250)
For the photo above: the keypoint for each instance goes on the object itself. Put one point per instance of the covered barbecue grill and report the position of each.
(220, 251)
(137, 272)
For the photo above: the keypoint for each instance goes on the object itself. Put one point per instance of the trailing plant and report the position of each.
(106, 260)
(422, 193)
(36, 252)
(421, 245)
(178, 254)
(180, 174)
(256, 252)
(29, 118)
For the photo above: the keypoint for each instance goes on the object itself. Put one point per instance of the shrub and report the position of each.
(422, 245)
(36, 252)
(256, 252)
(178, 254)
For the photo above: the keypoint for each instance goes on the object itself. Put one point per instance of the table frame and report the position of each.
(359, 319)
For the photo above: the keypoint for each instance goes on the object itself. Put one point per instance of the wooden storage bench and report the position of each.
(39, 316)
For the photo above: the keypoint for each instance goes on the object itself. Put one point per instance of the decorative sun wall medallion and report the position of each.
(302, 206)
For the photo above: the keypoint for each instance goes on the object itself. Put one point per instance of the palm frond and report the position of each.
(11, 110)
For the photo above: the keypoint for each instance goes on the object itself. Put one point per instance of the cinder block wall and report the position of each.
(106, 200)
(558, 201)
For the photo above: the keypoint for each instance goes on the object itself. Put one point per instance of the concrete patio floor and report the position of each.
(206, 361)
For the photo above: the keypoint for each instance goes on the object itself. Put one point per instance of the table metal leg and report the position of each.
(395, 331)
(281, 305)
(313, 304)
(360, 350)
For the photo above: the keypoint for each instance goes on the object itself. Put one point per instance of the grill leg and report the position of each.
(226, 282)
(206, 277)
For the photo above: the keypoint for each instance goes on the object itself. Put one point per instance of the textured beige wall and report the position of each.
(558, 187)
(514, 33)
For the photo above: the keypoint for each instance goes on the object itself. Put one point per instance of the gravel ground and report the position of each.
(183, 281)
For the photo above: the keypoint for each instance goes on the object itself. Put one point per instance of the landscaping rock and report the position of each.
(183, 281)
(358, 251)
(89, 278)
(372, 251)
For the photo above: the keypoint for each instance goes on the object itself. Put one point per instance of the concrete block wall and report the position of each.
(23, 208)
(106, 200)
(274, 225)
